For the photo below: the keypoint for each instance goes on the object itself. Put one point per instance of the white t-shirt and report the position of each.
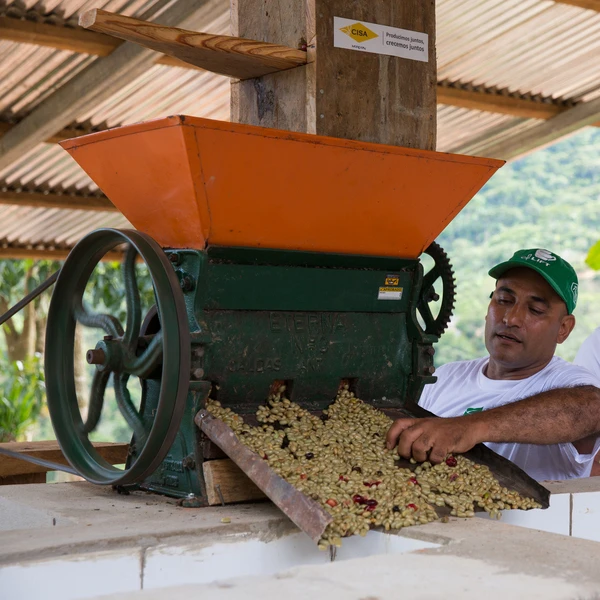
(463, 388)
(588, 355)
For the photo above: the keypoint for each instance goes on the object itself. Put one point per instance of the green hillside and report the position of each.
(550, 199)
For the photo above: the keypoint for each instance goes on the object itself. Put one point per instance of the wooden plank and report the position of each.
(497, 103)
(114, 453)
(94, 84)
(223, 54)
(545, 133)
(54, 36)
(90, 42)
(67, 38)
(63, 134)
(587, 4)
(23, 479)
(341, 93)
(44, 253)
(54, 200)
(233, 483)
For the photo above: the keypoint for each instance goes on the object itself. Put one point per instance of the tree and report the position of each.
(24, 335)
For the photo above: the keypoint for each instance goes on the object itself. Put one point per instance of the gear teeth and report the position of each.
(441, 261)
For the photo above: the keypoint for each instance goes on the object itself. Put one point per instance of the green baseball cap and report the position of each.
(556, 271)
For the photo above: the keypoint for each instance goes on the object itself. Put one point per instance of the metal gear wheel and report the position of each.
(441, 270)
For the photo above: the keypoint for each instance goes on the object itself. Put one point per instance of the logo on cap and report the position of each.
(575, 292)
(540, 256)
(544, 255)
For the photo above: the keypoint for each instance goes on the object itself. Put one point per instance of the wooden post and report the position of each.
(341, 92)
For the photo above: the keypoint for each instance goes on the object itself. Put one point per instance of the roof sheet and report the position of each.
(522, 46)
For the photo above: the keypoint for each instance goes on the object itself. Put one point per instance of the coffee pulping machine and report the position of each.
(275, 257)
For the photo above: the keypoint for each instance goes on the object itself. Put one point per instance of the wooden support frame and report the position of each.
(47, 253)
(68, 38)
(586, 4)
(222, 54)
(59, 136)
(95, 83)
(226, 482)
(13, 470)
(54, 200)
(340, 92)
(545, 133)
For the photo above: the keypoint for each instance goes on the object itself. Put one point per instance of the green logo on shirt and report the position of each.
(472, 410)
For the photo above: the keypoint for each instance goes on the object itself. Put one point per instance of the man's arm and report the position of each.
(552, 417)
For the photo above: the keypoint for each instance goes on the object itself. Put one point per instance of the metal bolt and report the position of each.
(322, 116)
(198, 373)
(187, 283)
(189, 462)
(430, 370)
(175, 258)
(430, 350)
(95, 357)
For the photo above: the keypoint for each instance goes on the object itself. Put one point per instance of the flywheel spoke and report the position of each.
(128, 410)
(143, 365)
(132, 297)
(96, 401)
(109, 323)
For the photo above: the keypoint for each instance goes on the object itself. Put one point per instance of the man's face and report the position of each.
(525, 321)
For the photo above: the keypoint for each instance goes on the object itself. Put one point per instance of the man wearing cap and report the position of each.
(526, 404)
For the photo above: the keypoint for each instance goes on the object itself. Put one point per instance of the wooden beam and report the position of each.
(96, 83)
(23, 479)
(64, 134)
(58, 37)
(222, 54)
(115, 454)
(341, 92)
(91, 42)
(543, 134)
(47, 253)
(54, 200)
(587, 4)
(496, 103)
(226, 477)
(499, 103)
(37, 253)
(68, 38)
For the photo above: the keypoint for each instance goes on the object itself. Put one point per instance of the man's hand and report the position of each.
(432, 438)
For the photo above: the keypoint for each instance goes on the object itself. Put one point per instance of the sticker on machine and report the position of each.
(390, 293)
(380, 39)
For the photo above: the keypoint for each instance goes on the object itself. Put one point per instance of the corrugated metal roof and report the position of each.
(22, 226)
(532, 47)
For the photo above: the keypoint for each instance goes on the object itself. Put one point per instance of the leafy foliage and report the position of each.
(105, 291)
(593, 258)
(549, 199)
(22, 392)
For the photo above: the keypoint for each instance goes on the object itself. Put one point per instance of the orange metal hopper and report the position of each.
(189, 182)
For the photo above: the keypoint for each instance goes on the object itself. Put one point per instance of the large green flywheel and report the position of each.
(124, 352)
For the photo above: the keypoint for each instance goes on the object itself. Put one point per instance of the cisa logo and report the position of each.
(575, 292)
(544, 255)
(359, 32)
